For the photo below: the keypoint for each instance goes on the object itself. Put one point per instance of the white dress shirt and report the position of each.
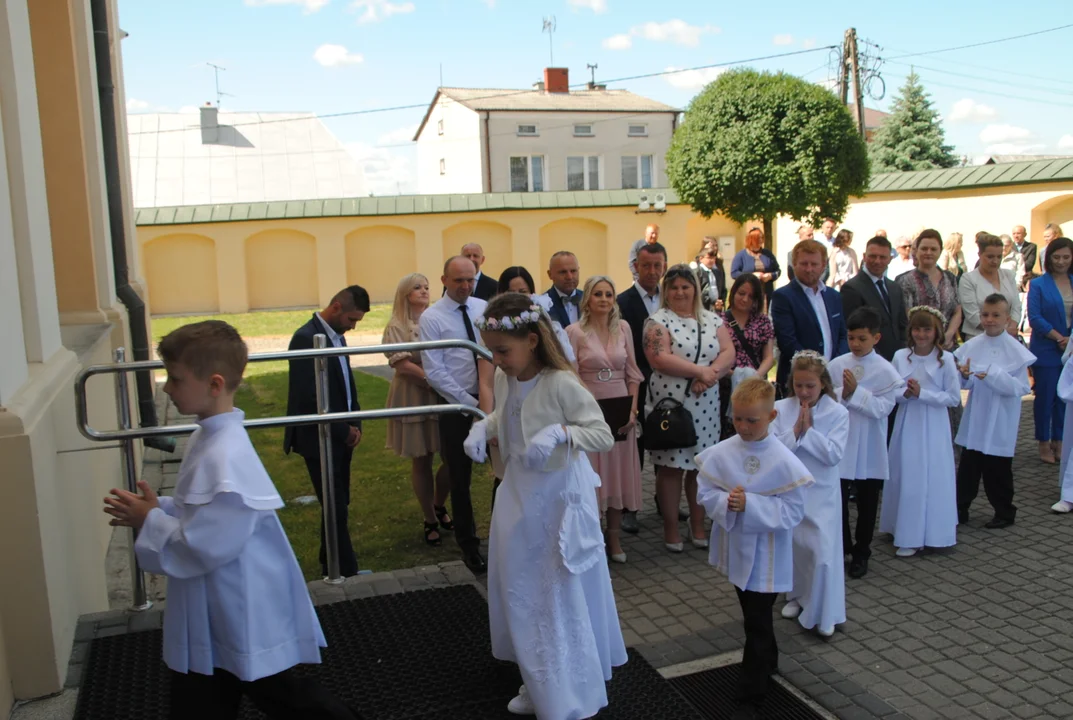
(452, 372)
(651, 301)
(571, 308)
(898, 266)
(344, 360)
(815, 298)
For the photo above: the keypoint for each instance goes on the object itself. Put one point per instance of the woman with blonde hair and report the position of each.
(953, 259)
(416, 436)
(843, 264)
(603, 345)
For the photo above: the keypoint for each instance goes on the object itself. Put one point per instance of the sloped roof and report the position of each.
(997, 159)
(256, 157)
(1018, 173)
(507, 100)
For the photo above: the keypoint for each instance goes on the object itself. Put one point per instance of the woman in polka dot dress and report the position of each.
(671, 346)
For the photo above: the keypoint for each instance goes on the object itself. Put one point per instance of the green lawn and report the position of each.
(272, 322)
(385, 522)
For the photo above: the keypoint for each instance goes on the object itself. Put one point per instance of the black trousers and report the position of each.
(997, 473)
(868, 492)
(642, 393)
(284, 696)
(341, 456)
(761, 657)
(453, 431)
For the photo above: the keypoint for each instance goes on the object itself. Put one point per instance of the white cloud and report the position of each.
(386, 172)
(376, 10)
(677, 32)
(786, 39)
(808, 43)
(134, 105)
(597, 6)
(308, 6)
(399, 135)
(968, 110)
(1065, 142)
(1012, 148)
(996, 134)
(330, 55)
(692, 79)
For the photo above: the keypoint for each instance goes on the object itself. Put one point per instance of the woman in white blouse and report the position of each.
(843, 263)
(986, 279)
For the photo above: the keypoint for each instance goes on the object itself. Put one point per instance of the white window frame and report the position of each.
(529, 169)
(630, 130)
(586, 172)
(443, 166)
(640, 184)
(578, 133)
(526, 133)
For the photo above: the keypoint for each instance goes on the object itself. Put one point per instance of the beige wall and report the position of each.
(460, 147)
(279, 260)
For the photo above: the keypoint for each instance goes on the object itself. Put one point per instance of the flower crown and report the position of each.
(928, 309)
(511, 322)
(809, 354)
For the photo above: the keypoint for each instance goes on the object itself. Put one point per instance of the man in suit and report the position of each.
(345, 311)
(1027, 249)
(871, 287)
(485, 286)
(651, 236)
(564, 272)
(713, 279)
(806, 313)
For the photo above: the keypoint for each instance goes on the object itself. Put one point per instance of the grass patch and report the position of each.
(270, 322)
(385, 522)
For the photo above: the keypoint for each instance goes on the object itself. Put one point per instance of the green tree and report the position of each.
(912, 137)
(759, 145)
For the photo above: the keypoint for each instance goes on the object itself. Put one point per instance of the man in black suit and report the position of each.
(1028, 250)
(486, 287)
(564, 272)
(871, 287)
(345, 310)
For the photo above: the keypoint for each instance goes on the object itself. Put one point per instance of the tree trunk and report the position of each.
(769, 242)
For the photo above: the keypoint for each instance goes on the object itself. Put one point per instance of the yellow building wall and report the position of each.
(377, 257)
(494, 238)
(183, 268)
(281, 269)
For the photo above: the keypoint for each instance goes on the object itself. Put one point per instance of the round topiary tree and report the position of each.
(760, 145)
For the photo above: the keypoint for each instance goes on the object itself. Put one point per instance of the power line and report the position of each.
(981, 44)
(976, 66)
(510, 93)
(1011, 83)
(1051, 101)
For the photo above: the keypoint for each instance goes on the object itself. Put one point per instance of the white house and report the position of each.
(548, 138)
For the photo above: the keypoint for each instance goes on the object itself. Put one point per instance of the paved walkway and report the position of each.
(984, 630)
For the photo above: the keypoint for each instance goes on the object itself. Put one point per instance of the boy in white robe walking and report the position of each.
(753, 488)
(239, 617)
(1065, 472)
(994, 368)
(867, 386)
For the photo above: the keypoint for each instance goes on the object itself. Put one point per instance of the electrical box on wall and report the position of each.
(728, 248)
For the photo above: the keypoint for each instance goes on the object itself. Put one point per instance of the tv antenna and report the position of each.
(592, 72)
(216, 74)
(549, 28)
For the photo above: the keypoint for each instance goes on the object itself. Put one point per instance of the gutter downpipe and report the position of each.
(139, 336)
(487, 154)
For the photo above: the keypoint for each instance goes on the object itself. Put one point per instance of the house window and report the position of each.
(527, 173)
(439, 126)
(583, 131)
(637, 131)
(528, 130)
(636, 171)
(443, 167)
(583, 172)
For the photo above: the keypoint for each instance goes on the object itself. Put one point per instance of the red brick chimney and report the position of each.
(556, 80)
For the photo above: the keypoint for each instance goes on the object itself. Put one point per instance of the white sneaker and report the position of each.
(791, 609)
(1062, 506)
(906, 552)
(522, 705)
(826, 632)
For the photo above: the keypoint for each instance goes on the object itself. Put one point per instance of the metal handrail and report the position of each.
(126, 435)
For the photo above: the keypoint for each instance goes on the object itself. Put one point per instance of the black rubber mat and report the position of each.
(712, 693)
(422, 655)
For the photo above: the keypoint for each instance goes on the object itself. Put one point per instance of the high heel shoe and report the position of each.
(619, 557)
(699, 543)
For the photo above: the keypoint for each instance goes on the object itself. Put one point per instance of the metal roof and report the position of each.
(919, 181)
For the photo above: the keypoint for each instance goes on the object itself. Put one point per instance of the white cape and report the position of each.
(871, 404)
(1065, 392)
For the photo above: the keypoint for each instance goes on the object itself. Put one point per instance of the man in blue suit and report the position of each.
(563, 270)
(806, 313)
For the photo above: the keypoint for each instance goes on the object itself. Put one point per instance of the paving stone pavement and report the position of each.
(983, 630)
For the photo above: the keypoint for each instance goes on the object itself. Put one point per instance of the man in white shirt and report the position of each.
(454, 374)
(651, 236)
(826, 233)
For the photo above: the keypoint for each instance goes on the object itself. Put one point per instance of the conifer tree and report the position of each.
(912, 137)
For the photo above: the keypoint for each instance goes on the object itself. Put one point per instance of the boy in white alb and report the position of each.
(867, 385)
(1065, 472)
(239, 617)
(753, 488)
(994, 368)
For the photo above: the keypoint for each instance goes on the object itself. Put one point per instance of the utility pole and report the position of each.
(855, 68)
(843, 69)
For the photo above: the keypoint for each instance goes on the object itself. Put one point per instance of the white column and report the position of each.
(26, 177)
(12, 355)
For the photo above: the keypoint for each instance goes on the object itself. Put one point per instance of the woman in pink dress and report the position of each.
(603, 344)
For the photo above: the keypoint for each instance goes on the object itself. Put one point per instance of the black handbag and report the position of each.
(670, 426)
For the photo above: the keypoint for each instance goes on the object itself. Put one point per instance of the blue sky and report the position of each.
(339, 56)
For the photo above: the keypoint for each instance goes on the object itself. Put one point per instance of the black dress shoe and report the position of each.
(997, 523)
(629, 522)
(858, 567)
(474, 561)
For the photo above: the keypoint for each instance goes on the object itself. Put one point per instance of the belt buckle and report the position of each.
(600, 375)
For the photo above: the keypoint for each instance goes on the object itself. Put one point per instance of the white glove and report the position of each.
(476, 444)
(542, 445)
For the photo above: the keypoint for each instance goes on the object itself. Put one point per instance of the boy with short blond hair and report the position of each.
(239, 617)
(752, 486)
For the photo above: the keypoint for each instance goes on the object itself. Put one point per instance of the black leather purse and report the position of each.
(670, 426)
